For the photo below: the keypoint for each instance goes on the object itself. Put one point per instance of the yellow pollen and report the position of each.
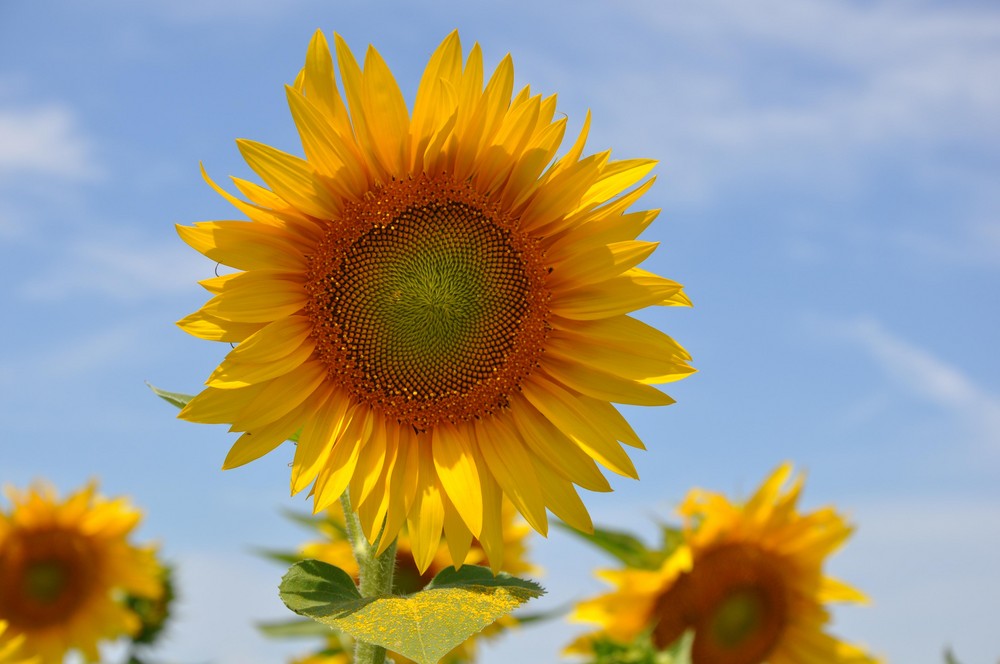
(427, 302)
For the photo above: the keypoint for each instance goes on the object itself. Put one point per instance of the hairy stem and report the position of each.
(375, 575)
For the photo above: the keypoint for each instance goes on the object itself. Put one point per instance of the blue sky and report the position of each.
(828, 181)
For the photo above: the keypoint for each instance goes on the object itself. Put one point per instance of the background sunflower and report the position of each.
(747, 579)
(66, 568)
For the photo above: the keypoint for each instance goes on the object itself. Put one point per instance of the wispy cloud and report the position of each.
(927, 377)
(121, 270)
(727, 91)
(45, 140)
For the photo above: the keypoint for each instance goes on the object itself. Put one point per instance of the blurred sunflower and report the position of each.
(435, 302)
(407, 579)
(748, 580)
(66, 569)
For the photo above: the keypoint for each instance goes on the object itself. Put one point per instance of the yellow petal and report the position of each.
(330, 153)
(370, 461)
(212, 406)
(636, 289)
(280, 395)
(385, 110)
(615, 178)
(319, 85)
(273, 341)
(236, 373)
(318, 437)
(254, 444)
(599, 264)
(561, 498)
(433, 104)
(243, 245)
(373, 510)
(291, 178)
(551, 445)
(213, 328)
(404, 482)
(459, 476)
(620, 345)
(491, 538)
(256, 300)
(601, 384)
(512, 467)
(336, 474)
(426, 519)
(456, 534)
(567, 413)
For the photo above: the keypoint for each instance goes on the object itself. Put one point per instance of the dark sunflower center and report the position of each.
(427, 302)
(737, 617)
(45, 580)
(46, 576)
(735, 598)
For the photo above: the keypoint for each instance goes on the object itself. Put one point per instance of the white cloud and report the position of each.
(805, 91)
(929, 378)
(117, 269)
(45, 140)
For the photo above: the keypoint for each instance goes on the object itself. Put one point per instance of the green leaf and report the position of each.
(173, 398)
(294, 629)
(424, 626)
(949, 656)
(625, 547)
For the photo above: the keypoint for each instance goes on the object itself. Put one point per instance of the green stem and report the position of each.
(375, 575)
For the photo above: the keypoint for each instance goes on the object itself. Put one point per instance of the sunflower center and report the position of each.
(46, 576)
(735, 598)
(737, 617)
(427, 302)
(45, 580)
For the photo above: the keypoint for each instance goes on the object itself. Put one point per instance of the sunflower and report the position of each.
(65, 570)
(337, 550)
(435, 302)
(747, 579)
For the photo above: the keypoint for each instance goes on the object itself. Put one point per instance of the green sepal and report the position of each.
(176, 399)
(424, 626)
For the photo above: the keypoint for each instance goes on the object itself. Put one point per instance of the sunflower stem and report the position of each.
(375, 574)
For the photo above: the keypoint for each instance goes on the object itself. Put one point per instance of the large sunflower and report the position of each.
(748, 580)
(337, 550)
(435, 302)
(65, 570)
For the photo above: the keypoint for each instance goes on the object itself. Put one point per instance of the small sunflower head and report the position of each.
(66, 569)
(747, 580)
